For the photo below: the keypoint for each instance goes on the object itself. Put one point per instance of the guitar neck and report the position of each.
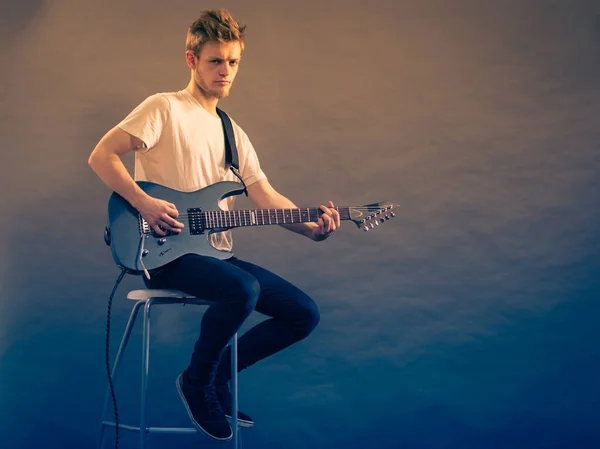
(259, 217)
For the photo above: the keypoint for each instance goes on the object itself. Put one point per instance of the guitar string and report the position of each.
(223, 221)
(278, 213)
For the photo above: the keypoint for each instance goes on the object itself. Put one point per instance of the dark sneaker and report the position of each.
(224, 395)
(204, 410)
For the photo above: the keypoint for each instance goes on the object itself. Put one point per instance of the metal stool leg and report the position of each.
(234, 392)
(145, 369)
(119, 356)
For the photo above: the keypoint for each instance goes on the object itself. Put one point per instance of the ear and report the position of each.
(191, 59)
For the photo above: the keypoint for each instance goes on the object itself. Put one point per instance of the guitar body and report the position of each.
(131, 241)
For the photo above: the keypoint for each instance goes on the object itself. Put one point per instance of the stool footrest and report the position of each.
(179, 430)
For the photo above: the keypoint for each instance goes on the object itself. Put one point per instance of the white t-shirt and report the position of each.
(186, 148)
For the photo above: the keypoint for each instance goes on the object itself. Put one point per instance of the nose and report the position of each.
(225, 69)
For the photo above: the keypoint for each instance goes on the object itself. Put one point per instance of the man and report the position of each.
(178, 142)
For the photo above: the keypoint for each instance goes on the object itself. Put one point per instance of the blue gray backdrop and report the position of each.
(470, 321)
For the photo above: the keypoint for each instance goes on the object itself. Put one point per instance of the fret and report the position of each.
(219, 218)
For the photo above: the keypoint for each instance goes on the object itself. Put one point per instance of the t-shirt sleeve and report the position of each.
(147, 120)
(249, 164)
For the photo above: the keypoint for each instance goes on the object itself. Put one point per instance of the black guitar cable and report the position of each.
(108, 373)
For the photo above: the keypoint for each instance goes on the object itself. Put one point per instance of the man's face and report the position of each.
(216, 68)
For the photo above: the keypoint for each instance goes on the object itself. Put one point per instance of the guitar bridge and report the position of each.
(144, 226)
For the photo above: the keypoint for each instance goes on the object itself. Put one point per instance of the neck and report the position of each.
(208, 103)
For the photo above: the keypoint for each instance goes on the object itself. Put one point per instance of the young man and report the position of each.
(179, 142)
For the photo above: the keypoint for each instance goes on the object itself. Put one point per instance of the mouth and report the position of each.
(222, 83)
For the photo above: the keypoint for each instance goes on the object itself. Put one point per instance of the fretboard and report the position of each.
(257, 217)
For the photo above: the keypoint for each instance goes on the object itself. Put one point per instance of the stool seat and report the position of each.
(145, 294)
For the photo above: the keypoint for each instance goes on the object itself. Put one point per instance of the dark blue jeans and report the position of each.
(237, 288)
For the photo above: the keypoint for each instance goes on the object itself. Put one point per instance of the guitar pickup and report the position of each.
(195, 220)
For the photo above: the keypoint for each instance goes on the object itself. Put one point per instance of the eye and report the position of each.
(216, 61)
(234, 63)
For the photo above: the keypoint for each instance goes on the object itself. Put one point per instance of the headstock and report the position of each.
(371, 215)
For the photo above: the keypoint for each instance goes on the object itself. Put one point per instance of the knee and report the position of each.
(244, 291)
(308, 319)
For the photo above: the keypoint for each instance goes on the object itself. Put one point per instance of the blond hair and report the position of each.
(216, 25)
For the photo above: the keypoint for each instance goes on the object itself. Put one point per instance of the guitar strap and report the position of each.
(231, 154)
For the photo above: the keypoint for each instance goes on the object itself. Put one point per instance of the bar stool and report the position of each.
(148, 298)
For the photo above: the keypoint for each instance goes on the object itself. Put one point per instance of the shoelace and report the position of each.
(223, 394)
(212, 402)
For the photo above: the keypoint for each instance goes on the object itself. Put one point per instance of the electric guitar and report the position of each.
(137, 248)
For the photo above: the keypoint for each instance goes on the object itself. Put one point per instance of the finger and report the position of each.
(326, 223)
(336, 214)
(171, 223)
(321, 225)
(158, 230)
(326, 210)
(174, 212)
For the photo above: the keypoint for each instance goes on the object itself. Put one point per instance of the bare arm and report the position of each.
(105, 160)
(266, 197)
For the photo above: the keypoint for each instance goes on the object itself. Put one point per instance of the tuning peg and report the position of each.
(392, 214)
(382, 220)
(372, 225)
(365, 228)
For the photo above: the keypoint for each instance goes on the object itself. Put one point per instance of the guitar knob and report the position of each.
(162, 241)
(145, 252)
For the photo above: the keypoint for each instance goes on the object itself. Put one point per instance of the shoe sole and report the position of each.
(191, 416)
(241, 422)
